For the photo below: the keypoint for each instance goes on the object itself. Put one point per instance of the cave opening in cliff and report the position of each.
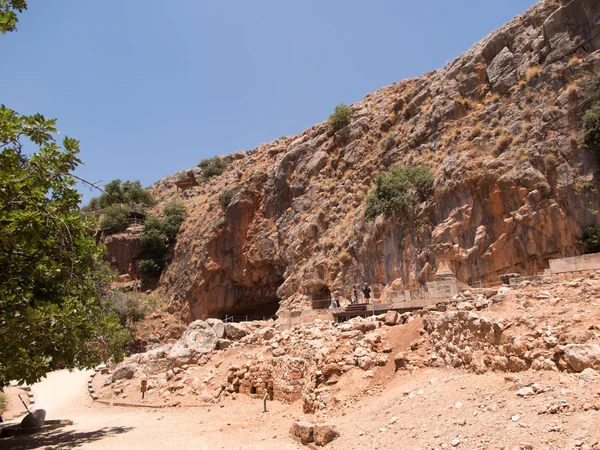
(264, 310)
(321, 298)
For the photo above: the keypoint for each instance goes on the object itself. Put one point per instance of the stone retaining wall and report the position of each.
(465, 339)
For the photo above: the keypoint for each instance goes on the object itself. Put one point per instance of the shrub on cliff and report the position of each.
(591, 240)
(117, 192)
(225, 198)
(398, 191)
(158, 234)
(591, 126)
(128, 306)
(212, 167)
(340, 117)
(116, 219)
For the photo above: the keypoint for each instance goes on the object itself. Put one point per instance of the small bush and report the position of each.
(591, 126)
(225, 198)
(129, 307)
(212, 167)
(151, 266)
(398, 190)
(591, 240)
(340, 117)
(3, 403)
(116, 219)
(502, 144)
(388, 143)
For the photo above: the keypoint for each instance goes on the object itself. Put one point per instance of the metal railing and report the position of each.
(245, 318)
(137, 208)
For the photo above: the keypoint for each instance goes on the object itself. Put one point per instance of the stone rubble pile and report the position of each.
(299, 363)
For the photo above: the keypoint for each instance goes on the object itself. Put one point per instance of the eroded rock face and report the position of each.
(295, 229)
(124, 250)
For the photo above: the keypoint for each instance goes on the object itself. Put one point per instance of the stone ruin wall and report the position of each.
(279, 378)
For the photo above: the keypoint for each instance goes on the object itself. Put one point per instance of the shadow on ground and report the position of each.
(60, 439)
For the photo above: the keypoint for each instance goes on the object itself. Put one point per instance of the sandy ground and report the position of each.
(240, 424)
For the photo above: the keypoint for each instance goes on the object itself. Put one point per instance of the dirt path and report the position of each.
(238, 424)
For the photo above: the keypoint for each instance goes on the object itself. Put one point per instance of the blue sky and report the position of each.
(151, 87)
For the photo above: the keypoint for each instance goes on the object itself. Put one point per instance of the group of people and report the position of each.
(366, 291)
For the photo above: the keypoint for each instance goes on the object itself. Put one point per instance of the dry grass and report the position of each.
(503, 142)
(491, 98)
(574, 60)
(532, 72)
(476, 130)
(572, 89)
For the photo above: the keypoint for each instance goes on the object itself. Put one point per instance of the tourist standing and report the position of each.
(335, 300)
(355, 293)
(367, 293)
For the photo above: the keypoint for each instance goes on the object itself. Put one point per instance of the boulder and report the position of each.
(574, 25)
(222, 344)
(218, 326)
(125, 371)
(502, 71)
(331, 369)
(304, 430)
(235, 331)
(401, 361)
(582, 356)
(266, 333)
(391, 318)
(325, 433)
(198, 339)
(316, 163)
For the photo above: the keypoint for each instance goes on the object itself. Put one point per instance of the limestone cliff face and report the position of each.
(499, 126)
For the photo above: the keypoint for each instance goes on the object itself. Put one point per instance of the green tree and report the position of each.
(158, 235)
(212, 167)
(121, 193)
(8, 14)
(116, 219)
(591, 240)
(591, 126)
(399, 190)
(340, 117)
(50, 307)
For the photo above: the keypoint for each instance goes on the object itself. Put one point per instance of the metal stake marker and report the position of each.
(265, 402)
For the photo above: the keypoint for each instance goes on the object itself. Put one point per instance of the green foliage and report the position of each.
(151, 266)
(50, 309)
(398, 191)
(128, 306)
(591, 240)
(340, 117)
(175, 213)
(121, 193)
(212, 167)
(591, 126)
(225, 198)
(158, 234)
(388, 143)
(3, 403)
(8, 14)
(116, 219)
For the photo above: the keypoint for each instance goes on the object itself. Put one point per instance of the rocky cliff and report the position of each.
(500, 128)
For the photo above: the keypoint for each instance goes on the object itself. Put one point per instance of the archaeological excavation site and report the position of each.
(420, 271)
(466, 200)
